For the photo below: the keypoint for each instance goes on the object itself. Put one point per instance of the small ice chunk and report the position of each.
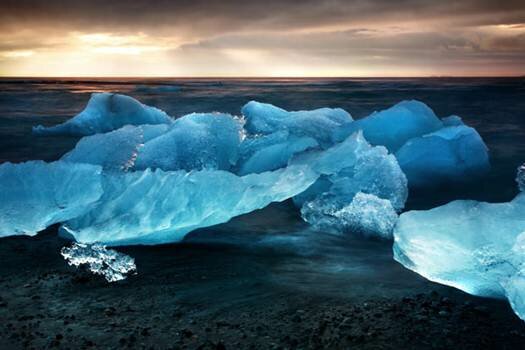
(106, 112)
(452, 120)
(366, 215)
(520, 178)
(114, 266)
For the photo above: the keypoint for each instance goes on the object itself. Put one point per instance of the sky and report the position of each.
(284, 38)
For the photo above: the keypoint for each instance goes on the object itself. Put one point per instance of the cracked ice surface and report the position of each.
(109, 263)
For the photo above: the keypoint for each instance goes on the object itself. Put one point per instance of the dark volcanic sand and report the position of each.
(209, 294)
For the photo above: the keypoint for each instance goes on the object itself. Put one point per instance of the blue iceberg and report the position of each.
(35, 194)
(269, 152)
(474, 246)
(106, 112)
(158, 178)
(194, 142)
(154, 206)
(355, 178)
(320, 124)
(394, 126)
(448, 155)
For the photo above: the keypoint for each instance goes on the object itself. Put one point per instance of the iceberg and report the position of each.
(359, 190)
(354, 166)
(320, 124)
(394, 126)
(115, 150)
(35, 194)
(474, 246)
(429, 150)
(106, 112)
(269, 152)
(194, 142)
(155, 206)
(451, 154)
(158, 179)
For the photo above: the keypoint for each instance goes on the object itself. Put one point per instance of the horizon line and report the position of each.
(256, 77)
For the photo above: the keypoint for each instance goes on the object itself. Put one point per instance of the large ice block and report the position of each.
(394, 126)
(152, 207)
(474, 246)
(451, 154)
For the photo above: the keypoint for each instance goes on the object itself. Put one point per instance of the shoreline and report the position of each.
(206, 296)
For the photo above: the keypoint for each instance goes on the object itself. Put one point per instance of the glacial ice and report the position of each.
(115, 150)
(159, 178)
(320, 124)
(394, 126)
(366, 214)
(474, 246)
(109, 263)
(270, 152)
(354, 166)
(359, 191)
(35, 194)
(106, 112)
(452, 120)
(194, 142)
(451, 154)
(152, 207)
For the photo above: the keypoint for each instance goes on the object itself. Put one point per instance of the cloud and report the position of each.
(197, 37)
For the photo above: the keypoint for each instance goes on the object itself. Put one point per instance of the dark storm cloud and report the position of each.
(212, 16)
(308, 37)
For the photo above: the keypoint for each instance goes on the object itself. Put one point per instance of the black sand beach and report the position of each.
(199, 295)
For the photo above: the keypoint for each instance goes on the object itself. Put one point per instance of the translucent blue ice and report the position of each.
(162, 178)
(270, 152)
(152, 207)
(359, 190)
(366, 215)
(116, 150)
(194, 142)
(451, 154)
(394, 126)
(106, 112)
(34, 195)
(474, 246)
(354, 166)
(452, 120)
(320, 124)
